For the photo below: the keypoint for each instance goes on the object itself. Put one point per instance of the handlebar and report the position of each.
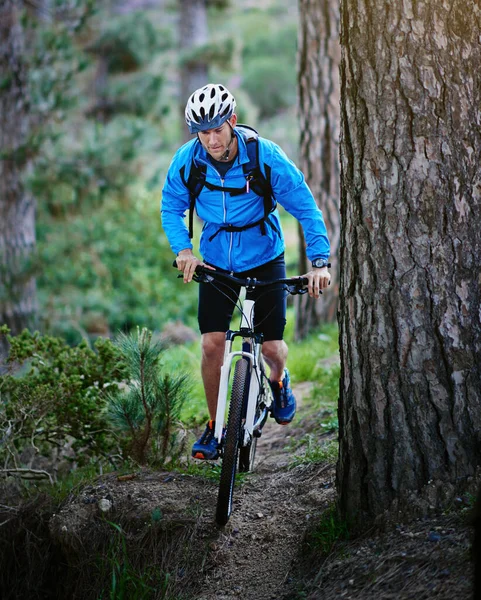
(293, 285)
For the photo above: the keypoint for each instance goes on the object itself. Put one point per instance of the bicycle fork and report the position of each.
(251, 351)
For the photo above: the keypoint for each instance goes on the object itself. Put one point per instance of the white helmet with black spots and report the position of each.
(209, 107)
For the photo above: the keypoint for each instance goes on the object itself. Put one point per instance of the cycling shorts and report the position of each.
(217, 302)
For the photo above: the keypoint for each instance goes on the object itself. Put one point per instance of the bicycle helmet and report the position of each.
(209, 107)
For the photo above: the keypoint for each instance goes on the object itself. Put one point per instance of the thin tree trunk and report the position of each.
(17, 206)
(193, 33)
(410, 340)
(318, 67)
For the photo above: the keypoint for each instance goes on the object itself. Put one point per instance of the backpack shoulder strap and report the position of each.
(260, 182)
(194, 183)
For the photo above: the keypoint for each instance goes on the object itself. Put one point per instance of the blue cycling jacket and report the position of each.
(241, 250)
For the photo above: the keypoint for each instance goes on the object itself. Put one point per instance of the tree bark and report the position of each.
(17, 207)
(319, 114)
(410, 331)
(193, 32)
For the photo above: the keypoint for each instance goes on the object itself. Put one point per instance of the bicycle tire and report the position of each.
(231, 446)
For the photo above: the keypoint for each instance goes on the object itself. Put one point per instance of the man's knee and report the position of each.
(275, 350)
(212, 345)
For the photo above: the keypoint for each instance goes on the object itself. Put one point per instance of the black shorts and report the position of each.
(216, 306)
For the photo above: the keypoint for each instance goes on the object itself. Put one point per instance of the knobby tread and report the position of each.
(231, 447)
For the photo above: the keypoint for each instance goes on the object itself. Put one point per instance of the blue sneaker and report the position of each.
(206, 447)
(284, 406)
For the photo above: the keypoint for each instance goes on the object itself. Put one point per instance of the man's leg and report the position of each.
(275, 354)
(212, 345)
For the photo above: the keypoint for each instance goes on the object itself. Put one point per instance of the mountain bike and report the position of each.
(250, 392)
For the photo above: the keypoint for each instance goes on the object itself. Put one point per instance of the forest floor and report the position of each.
(268, 548)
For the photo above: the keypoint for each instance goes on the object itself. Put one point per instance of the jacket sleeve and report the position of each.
(174, 207)
(292, 192)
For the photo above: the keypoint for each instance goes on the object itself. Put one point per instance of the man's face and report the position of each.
(216, 141)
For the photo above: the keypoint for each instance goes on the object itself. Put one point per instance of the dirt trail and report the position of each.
(254, 553)
(257, 555)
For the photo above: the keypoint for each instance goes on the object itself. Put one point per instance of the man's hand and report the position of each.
(187, 262)
(319, 279)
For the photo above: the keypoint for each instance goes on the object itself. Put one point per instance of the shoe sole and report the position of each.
(201, 456)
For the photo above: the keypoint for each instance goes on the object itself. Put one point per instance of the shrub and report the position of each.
(53, 399)
(147, 409)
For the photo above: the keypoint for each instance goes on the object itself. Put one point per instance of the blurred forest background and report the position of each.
(92, 100)
(105, 82)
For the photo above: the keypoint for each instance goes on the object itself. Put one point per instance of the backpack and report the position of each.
(255, 180)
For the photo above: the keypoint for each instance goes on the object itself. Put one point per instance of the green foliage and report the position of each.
(315, 451)
(56, 400)
(147, 408)
(126, 582)
(219, 52)
(137, 94)
(55, 61)
(146, 566)
(129, 41)
(111, 272)
(269, 87)
(73, 175)
(272, 89)
(330, 529)
(306, 363)
(186, 358)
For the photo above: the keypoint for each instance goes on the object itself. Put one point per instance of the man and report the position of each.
(240, 235)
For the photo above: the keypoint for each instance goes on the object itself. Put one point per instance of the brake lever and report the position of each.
(202, 278)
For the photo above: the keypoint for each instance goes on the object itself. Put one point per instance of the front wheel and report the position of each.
(231, 446)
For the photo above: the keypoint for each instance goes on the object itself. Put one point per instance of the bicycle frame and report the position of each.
(246, 416)
(252, 352)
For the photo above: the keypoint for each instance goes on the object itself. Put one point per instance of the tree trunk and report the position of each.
(17, 206)
(193, 33)
(410, 339)
(318, 82)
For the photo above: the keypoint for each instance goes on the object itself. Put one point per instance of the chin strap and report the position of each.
(225, 156)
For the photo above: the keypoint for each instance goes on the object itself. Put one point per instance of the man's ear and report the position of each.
(233, 120)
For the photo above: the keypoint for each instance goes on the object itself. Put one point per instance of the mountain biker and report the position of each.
(239, 237)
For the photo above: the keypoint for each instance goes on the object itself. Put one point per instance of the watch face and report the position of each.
(319, 263)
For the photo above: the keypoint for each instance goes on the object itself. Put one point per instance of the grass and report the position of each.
(315, 452)
(330, 529)
(305, 364)
(306, 357)
(186, 358)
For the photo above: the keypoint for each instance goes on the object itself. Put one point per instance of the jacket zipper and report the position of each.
(225, 214)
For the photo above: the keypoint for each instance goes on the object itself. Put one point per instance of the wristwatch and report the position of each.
(319, 263)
